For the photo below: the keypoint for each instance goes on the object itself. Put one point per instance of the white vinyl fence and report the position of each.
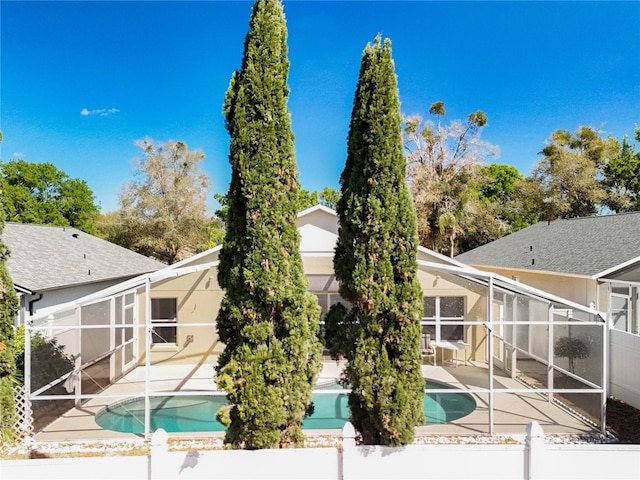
(624, 374)
(532, 460)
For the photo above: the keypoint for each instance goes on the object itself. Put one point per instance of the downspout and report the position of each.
(31, 302)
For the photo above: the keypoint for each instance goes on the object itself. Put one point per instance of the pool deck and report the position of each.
(512, 411)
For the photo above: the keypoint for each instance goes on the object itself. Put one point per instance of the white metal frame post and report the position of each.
(514, 336)
(605, 376)
(550, 354)
(28, 324)
(490, 349)
(147, 359)
(77, 375)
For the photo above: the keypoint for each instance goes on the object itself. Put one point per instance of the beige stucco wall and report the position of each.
(198, 300)
(444, 285)
(199, 297)
(581, 290)
(317, 265)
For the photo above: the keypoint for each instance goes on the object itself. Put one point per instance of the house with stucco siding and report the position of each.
(593, 261)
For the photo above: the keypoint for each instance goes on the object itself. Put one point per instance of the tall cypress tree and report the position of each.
(375, 262)
(268, 320)
(8, 309)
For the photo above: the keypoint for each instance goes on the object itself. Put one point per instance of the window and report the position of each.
(443, 310)
(325, 288)
(163, 318)
(328, 300)
(623, 311)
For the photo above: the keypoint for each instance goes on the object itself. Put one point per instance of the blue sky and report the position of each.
(81, 81)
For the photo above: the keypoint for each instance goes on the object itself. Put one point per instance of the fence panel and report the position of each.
(580, 462)
(443, 462)
(624, 374)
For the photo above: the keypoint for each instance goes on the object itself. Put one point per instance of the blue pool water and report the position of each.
(198, 413)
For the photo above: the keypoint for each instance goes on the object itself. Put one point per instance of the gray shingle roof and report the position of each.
(579, 246)
(45, 257)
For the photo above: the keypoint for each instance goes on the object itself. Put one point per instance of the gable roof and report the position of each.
(46, 257)
(588, 246)
(318, 227)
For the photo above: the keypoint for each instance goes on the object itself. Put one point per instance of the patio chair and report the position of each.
(428, 348)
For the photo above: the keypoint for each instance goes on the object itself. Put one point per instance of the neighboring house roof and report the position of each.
(47, 257)
(588, 246)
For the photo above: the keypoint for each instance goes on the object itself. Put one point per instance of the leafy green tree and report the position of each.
(163, 213)
(571, 348)
(40, 193)
(307, 199)
(501, 182)
(329, 197)
(375, 262)
(215, 235)
(221, 213)
(622, 178)
(501, 204)
(268, 320)
(49, 361)
(8, 309)
(568, 173)
(527, 206)
(118, 228)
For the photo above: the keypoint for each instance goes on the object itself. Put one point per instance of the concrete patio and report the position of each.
(511, 411)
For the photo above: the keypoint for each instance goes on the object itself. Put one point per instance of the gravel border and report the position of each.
(29, 448)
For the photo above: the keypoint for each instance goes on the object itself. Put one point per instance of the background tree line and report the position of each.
(163, 210)
(463, 201)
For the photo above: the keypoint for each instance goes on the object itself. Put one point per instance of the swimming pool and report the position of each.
(198, 413)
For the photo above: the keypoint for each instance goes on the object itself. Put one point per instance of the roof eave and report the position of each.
(116, 279)
(519, 286)
(535, 271)
(317, 207)
(616, 268)
(444, 258)
(21, 289)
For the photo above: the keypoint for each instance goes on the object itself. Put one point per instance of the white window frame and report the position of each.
(440, 320)
(158, 322)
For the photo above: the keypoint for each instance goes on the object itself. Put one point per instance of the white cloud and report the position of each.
(102, 112)
(18, 155)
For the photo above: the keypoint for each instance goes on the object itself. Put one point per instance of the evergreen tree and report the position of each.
(268, 320)
(375, 262)
(8, 309)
